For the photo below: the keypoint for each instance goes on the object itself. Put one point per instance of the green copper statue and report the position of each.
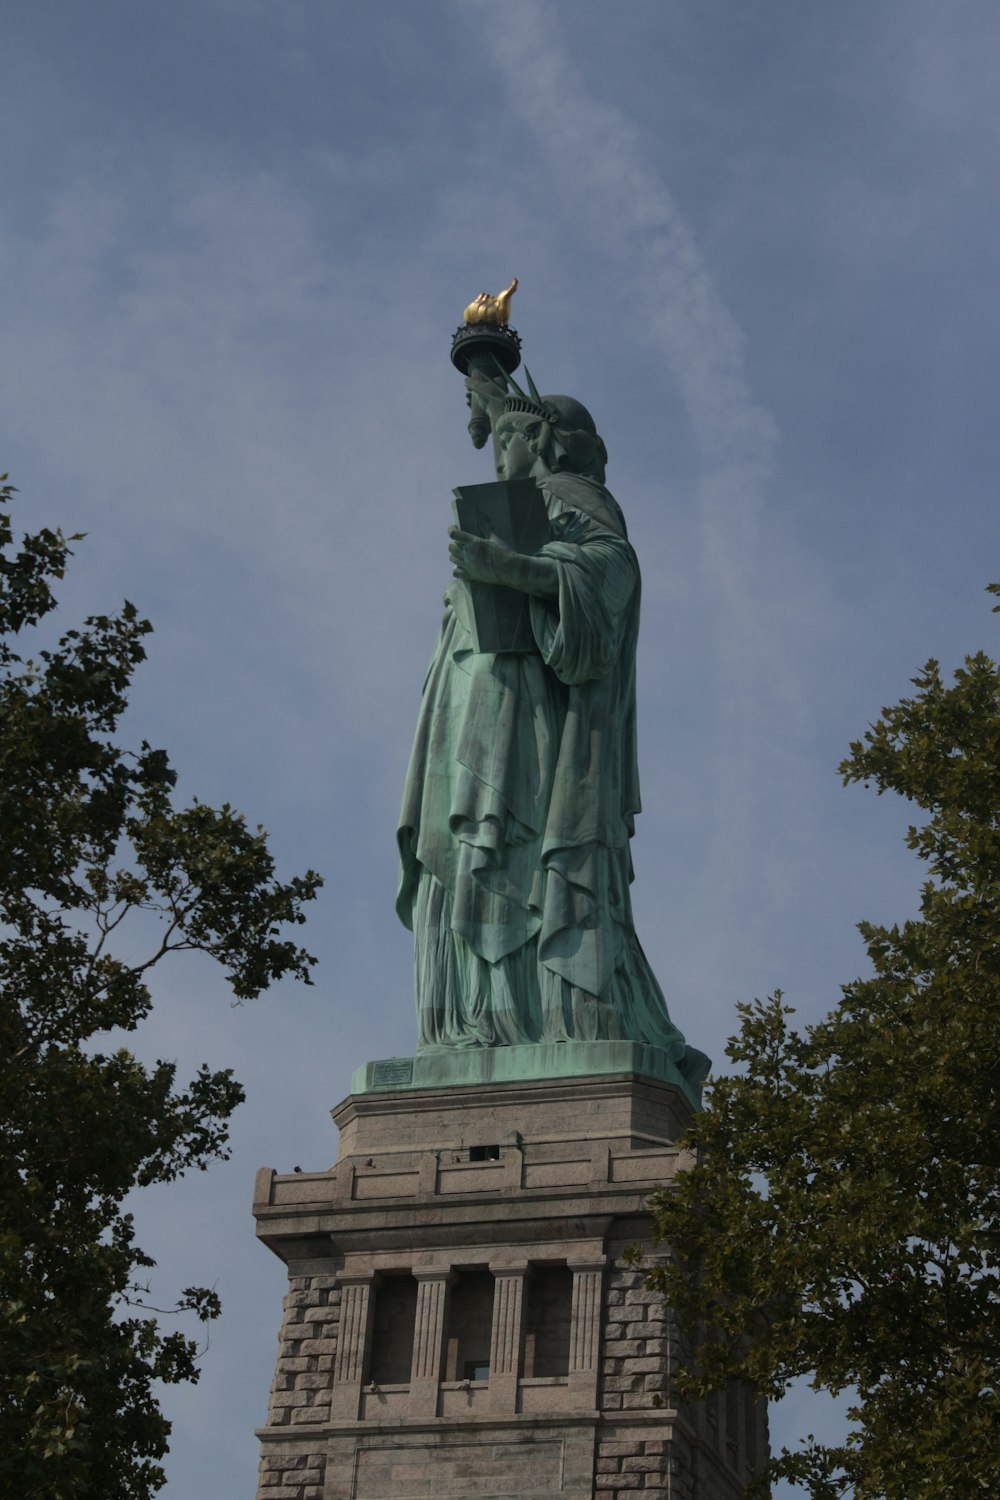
(523, 784)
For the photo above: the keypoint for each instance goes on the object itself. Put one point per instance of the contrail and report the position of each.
(620, 205)
(589, 144)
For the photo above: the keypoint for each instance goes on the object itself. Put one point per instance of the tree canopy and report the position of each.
(92, 850)
(841, 1221)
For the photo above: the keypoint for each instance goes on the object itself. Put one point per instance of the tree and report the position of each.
(841, 1220)
(91, 847)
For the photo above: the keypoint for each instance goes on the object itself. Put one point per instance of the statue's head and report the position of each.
(576, 434)
(548, 434)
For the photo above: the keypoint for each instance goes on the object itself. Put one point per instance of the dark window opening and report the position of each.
(547, 1322)
(484, 1153)
(392, 1333)
(469, 1325)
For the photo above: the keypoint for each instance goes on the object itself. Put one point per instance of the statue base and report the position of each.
(534, 1062)
(464, 1316)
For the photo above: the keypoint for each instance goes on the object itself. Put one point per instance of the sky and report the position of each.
(760, 243)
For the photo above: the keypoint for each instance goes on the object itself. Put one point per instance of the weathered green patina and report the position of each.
(523, 785)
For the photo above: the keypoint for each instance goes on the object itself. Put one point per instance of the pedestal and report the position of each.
(461, 1320)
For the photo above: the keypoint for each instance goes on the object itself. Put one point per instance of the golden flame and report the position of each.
(487, 309)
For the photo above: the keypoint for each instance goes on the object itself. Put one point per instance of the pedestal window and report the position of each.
(548, 1322)
(392, 1332)
(469, 1326)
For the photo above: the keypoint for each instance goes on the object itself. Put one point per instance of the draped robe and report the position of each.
(518, 809)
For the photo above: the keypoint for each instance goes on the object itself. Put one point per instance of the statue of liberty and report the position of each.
(523, 787)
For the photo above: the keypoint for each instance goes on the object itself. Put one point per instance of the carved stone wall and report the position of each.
(300, 1390)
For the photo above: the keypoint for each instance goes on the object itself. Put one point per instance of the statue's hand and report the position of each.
(489, 560)
(480, 559)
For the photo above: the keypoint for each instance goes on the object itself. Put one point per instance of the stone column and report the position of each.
(428, 1342)
(585, 1328)
(507, 1342)
(353, 1344)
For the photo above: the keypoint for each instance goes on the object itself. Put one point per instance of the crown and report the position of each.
(521, 403)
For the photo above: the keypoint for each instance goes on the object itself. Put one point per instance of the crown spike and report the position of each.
(499, 386)
(533, 388)
(504, 377)
(517, 389)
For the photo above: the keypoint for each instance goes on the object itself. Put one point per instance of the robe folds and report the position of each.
(519, 807)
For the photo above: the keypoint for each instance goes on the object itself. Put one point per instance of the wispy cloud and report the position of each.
(597, 170)
(595, 160)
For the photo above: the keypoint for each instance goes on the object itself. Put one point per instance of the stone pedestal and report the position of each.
(460, 1320)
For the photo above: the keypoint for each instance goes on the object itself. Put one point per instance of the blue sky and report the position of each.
(760, 242)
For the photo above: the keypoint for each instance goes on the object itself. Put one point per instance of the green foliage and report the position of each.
(841, 1222)
(92, 848)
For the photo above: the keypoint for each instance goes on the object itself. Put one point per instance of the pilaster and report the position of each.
(353, 1344)
(585, 1329)
(508, 1337)
(428, 1342)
